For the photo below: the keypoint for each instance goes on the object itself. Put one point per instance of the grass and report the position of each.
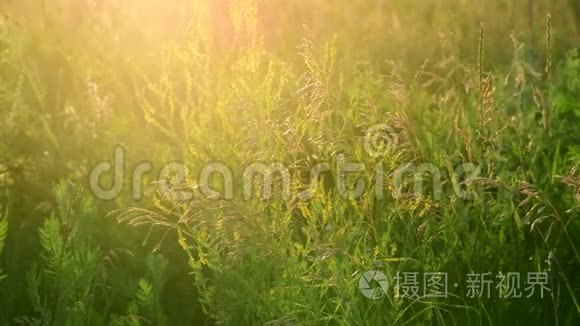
(480, 96)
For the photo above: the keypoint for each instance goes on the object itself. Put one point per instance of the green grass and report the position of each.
(301, 83)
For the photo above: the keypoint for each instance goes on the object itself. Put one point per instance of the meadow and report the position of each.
(304, 162)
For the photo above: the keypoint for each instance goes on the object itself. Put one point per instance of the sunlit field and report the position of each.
(303, 162)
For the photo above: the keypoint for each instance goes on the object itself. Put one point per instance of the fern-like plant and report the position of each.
(3, 234)
(62, 287)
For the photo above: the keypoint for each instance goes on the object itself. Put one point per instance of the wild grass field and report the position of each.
(303, 162)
